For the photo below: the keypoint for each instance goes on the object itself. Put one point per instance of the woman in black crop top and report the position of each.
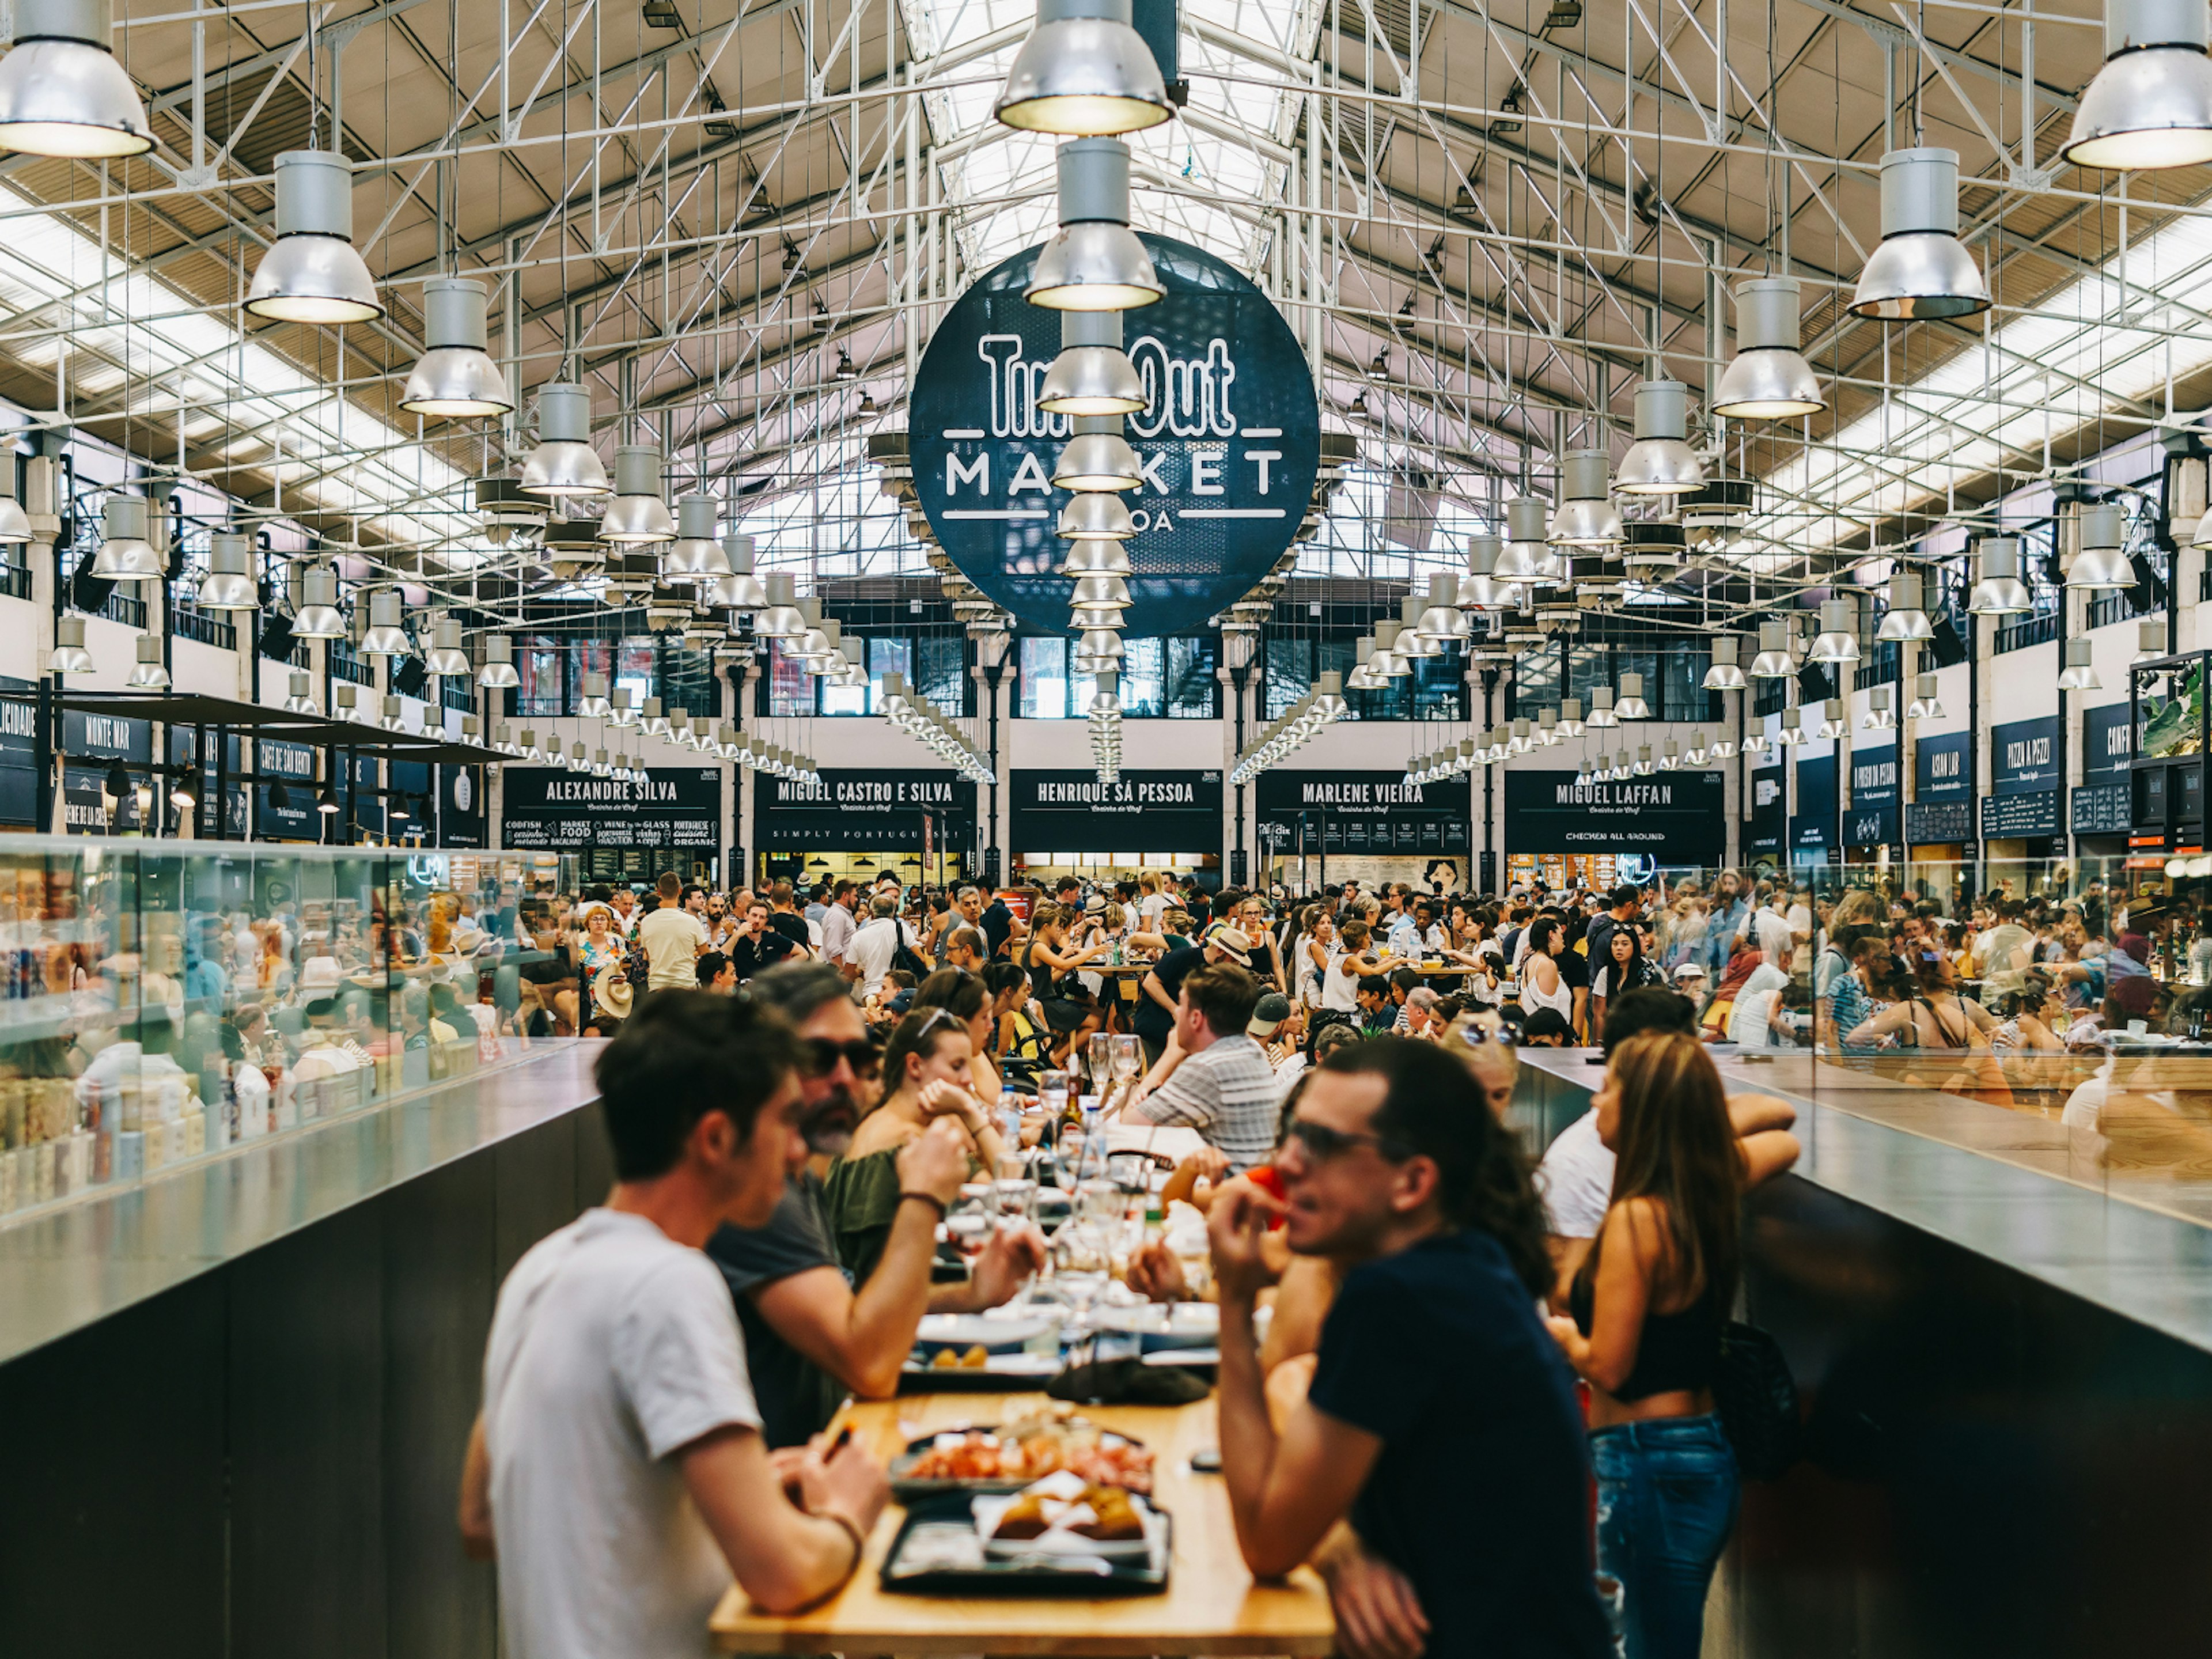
(1647, 1308)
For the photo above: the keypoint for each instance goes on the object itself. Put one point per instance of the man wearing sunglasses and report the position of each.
(810, 1338)
(1438, 1469)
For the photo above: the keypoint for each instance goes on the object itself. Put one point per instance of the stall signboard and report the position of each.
(461, 807)
(298, 819)
(1872, 817)
(1814, 824)
(1763, 834)
(1939, 767)
(1228, 442)
(1938, 823)
(1140, 812)
(95, 742)
(1362, 814)
(2024, 759)
(19, 753)
(2101, 809)
(2020, 814)
(2107, 742)
(546, 810)
(1672, 818)
(867, 810)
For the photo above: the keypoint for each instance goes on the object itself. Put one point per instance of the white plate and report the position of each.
(1055, 1541)
(974, 1330)
(1191, 1319)
(1034, 1366)
(1183, 1357)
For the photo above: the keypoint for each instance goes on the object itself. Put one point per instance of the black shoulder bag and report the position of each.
(1758, 1401)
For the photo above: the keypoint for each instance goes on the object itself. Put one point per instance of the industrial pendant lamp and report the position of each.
(1095, 262)
(1412, 643)
(1092, 375)
(1097, 456)
(1387, 663)
(1838, 641)
(149, 674)
(1442, 619)
(564, 464)
(1570, 717)
(498, 673)
(1480, 589)
(1094, 593)
(1699, 742)
(1722, 747)
(1528, 554)
(298, 699)
(14, 523)
(1724, 675)
(1773, 661)
(1097, 514)
(2099, 565)
(2150, 640)
(1834, 722)
(62, 92)
(1907, 619)
(1925, 704)
(2079, 673)
(1793, 728)
(780, 619)
(1084, 73)
(1602, 714)
(740, 590)
(317, 615)
(2151, 105)
(126, 555)
(69, 656)
(2000, 592)
(388, 631)
(1096, 558)
(1768, 380)
(447, 656)
(1920, 269)
(455, 377)
(1586, 515)
(695, 556)
(1880, 717)
(638, 514)
(313, 274)
(1661, 462)
(229, 584)
(1629, 705)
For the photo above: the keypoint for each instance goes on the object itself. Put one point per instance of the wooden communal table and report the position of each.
(1211, 1605)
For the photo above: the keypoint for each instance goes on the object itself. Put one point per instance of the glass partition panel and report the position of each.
(166, 1001)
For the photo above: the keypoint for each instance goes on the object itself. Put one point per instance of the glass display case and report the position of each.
(165, 1001)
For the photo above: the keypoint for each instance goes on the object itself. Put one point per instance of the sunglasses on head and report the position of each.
(1322, 1143)
(818, 1056)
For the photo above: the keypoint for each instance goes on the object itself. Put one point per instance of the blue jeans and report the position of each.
(1665, 1502)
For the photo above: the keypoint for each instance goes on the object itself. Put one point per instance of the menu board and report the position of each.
(1871, 819)
(298, 819)
(1763, 833)
(1374, 813)
(1938, 823)
(2007, 816)
(95, 742)
(574, 811)
(1814, 824)
(2102, 809)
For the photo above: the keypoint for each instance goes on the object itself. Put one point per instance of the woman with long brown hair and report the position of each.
(1646, 1310)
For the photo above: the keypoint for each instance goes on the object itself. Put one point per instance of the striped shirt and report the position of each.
(1228, 1093)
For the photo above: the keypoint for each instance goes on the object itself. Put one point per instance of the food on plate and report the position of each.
(1044, 1444)
(974, 1359)
(1064, 1504)
(1024, 1518)
(1113, 1517)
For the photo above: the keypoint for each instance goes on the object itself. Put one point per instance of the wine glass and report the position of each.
(968, 1226)
(1098, 1062)
(1128, 1057)
(1082, 1265)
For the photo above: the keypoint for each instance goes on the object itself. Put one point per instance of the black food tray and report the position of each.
(907, 1491)
(981, 1574)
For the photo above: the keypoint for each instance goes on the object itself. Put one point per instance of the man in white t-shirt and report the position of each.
(868, 957)
(673, 940)
(617, 1470)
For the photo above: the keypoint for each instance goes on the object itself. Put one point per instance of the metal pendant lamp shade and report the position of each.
(1441, 619)
(1411, 641)
(1772, 662)
(1925, 704)
(1602, 712)
(1099, 593)
(498, 672)
(1092, 375)
(126, 555)
(1480, 589)
(2099, 565)
(1096, 460)
(1838, 639)
(1586, 515)
(638, 514)
(1768, 378)
(1725, 674)
(2000, 592)
(1100, 644)
(1629, 705)
(780, 619)
(1096, 558)
(564, 462)
(1527, 557)
(1881, 716)
(740, 590)
(299, 699)
(1660, 461)
(1095, 515)
(593, 703)
(2078, 673)
(14, 523)
(1793, 728)
(1834, 722)
(1907, 617)
(149, 674)
(448, 655)
(2150, 640)
(455, 377)
(62, 91)
(1700, 747)
(1920, 269)
(1388, 662)
(695, 556)
(69, 656)
(2151, 105)
(313, 274)
(387, 630)
(1084, 73)
(229, 584)
(317, 615)
(1095, 262)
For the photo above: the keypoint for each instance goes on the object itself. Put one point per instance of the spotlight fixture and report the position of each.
(1920, 269)
(1768, 378)
(2078, 673)
(62, 92)
(2000, 592)
(455, 377)
(845, 371)
(1660, 462)
(564, 464)
(312, 273)
(1084, 72)
(2151, 105)
(327, 802)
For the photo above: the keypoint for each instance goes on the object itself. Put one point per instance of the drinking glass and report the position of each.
(1082, 1264)
(1098, 1063)
(1013, 1189)
(1128, 1057)
(969, 1223)
(1052, 1093)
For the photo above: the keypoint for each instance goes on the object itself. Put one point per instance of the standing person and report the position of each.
(784, 917)
(1438, 1452)
(1624, 967)
(617, 1468)
(1646, 1310)
(1542, 985)
(1000, 925)
(1626, 902)
(757, 946)
(838, 923)
(674, 940)
(875, 946)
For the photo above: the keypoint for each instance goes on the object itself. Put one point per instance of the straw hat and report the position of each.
(611, 990)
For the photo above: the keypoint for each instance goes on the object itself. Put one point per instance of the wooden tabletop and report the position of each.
(1211, 1605)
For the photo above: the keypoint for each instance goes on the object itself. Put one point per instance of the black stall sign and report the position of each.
(2102, 809)
(551, 811)
(867, 810)
(2024, 761)
(1303, 813)
(460, 807)
(297, 819)
(19, 754)
(103, 738)
(1872, 817)
(2020, 814)
(1679, 818)
(1152, 811)
(1763, 834)
(2107, 745)
(1938, 823)
(1939, 769)
(1814, 824)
